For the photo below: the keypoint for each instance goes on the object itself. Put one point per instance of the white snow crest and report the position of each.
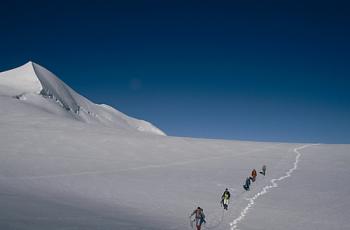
(39, 82)
(20, 80)
(234, 223)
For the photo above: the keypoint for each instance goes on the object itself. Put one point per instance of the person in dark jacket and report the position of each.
(225, 198)
(247, 184)
(263, 170)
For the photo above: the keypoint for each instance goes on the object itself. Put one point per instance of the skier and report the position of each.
(253, 175)
(225, 198)
(199, 217)
(263, 170)
(247, 184)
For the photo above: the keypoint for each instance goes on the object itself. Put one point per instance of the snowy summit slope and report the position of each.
(32, 82)
(66, 163)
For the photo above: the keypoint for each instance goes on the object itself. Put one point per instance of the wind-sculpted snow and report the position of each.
(31, 82)
(19, 81)
(55, 88)
(251, 201)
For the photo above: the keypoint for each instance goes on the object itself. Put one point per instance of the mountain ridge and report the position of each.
(31, 80)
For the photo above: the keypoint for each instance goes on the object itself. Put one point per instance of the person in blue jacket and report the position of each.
(247, 184)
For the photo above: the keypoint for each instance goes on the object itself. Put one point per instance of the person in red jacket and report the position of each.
(254, 174)
(199, 217)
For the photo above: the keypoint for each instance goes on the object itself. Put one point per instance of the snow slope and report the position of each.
(57, 172)
(32, 82)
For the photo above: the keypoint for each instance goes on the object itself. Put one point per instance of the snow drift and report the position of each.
(32, 82)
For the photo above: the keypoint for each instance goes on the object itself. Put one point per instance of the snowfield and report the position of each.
(67, 163)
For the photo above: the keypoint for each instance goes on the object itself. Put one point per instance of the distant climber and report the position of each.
(263, 170)
(225, 198)
(247, 184)
(254, 174)
(199, 217)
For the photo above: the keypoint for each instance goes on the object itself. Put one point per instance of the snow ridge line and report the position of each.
(265, 189)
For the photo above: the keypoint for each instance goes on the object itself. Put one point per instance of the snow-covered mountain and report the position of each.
(64, 166)
(35, 85)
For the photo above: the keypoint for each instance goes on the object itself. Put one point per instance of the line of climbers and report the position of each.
(252, 178)
(199, 217)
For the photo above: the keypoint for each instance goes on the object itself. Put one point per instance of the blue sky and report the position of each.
(248, 70)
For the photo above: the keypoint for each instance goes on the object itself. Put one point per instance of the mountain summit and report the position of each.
(37, 86)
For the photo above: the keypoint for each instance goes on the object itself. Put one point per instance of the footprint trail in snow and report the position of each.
(234, 223)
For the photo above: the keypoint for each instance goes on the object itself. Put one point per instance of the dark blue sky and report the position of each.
(252, 70)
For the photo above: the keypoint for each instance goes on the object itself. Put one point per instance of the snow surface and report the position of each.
(59, 170)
